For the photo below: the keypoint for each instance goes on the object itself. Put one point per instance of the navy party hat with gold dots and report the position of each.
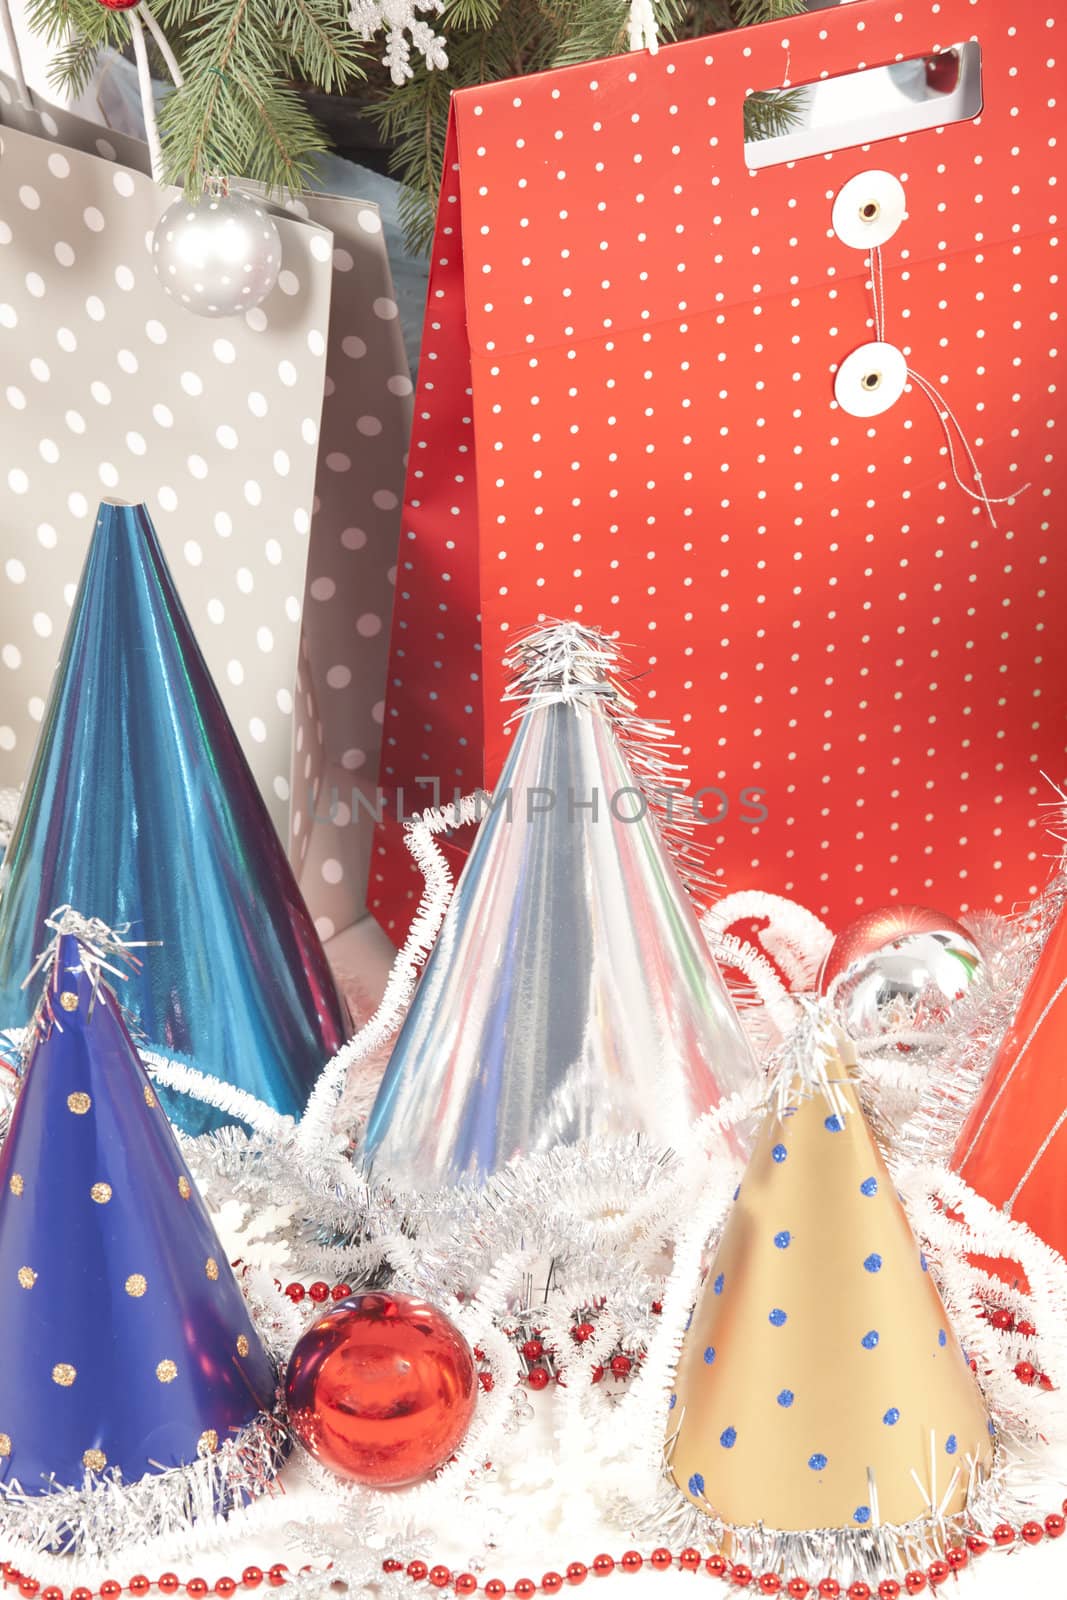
(820, 1386)
(130, 1350)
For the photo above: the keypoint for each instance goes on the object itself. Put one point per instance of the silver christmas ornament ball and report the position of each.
(899, 969)
(219, 255)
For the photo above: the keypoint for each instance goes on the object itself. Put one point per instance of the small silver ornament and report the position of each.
(219, 255)
(898, 969)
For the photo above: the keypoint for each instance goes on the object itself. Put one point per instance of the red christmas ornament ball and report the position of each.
(381, 1389)
(118, 5)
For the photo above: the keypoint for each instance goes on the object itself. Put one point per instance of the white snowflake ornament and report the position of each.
(404, 31)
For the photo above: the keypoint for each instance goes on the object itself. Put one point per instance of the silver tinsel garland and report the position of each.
(604, 1231)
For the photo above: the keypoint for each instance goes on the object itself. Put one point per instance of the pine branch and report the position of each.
(746, 13)
(72, 68)
(589, 29)
(286, 145)
(465, 15)
(493, 39)
(771, 112)
(81, 28)
(238, 112)
(53, 19)
(321, 44)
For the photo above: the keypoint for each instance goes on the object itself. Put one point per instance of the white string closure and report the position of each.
(945, 414)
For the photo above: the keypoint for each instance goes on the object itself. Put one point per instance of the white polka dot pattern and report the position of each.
(362, 439)
(112, 389)
(647, 401)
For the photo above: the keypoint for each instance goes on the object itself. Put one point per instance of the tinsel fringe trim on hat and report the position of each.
(851, 1555)
(561, 662)
(610, 1228)
(682, 1200)
(107, 1514)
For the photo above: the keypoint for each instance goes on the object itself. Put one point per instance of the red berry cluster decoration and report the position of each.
(1004, 1320)
(318, 1292)
(541, 1363)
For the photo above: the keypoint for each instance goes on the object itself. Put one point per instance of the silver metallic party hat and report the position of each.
(570, 992)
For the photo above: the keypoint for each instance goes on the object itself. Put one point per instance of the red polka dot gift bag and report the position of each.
(783, 415)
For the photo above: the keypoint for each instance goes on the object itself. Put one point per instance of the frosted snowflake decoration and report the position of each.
(643, 27)
(252, 1236)
(404, 31)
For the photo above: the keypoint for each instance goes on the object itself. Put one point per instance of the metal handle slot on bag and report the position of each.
(859, 108)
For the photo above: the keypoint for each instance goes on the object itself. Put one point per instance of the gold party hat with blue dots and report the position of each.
(820, 1385)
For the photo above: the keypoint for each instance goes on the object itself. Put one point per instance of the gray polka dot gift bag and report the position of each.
(267, 447)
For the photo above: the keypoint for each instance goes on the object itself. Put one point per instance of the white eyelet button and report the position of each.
(869, 210)
(871, 379)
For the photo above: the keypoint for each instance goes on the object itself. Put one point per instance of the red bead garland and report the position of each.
(661, 1559)
(168, 1583)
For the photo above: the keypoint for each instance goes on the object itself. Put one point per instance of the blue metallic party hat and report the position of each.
(129, 1348)
(570, 992)
(140, 804)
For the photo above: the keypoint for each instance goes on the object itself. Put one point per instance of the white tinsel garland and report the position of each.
(618, 1233)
